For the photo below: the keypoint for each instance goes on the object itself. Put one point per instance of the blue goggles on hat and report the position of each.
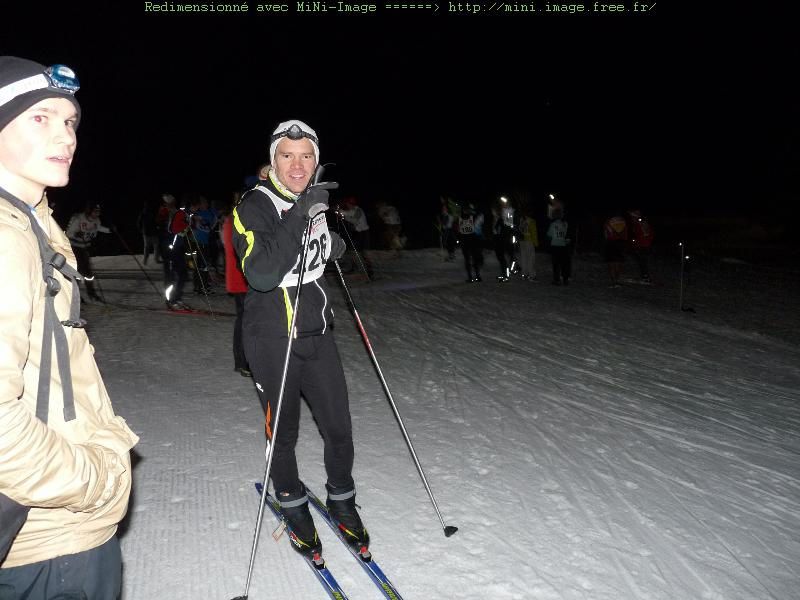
(57, 77)
(295, 132)
(63, 78)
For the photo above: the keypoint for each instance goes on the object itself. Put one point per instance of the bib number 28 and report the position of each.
(317, 249)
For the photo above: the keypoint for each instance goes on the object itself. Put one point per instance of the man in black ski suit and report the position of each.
(269, 227)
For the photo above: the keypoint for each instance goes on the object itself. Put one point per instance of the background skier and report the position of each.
(641, 240)
(82, 229)
(470, 231)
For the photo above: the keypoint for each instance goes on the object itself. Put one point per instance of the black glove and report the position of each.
(338, 247)
(315, 199)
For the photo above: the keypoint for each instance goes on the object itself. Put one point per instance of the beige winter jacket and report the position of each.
(76, 475)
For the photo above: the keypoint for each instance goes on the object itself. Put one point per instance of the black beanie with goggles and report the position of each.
(24, 82)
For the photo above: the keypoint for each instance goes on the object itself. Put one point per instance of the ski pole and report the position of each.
(270, 445)
(198, 252)
(128, 250)
(684, 257)
(448, 529)
(680, 298)
(353, 245)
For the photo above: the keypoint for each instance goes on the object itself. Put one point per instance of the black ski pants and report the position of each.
(84, 263)
(176, 267)
(561, 257)
(239, 360)
(472, 249)
(504, 249)
(315, 373)
(92, 575)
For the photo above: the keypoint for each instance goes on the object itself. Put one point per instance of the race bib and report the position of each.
(466, 226)
(319, 250)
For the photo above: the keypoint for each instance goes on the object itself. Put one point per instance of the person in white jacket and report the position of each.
(82, 229)
(355, 220)
(70, 462)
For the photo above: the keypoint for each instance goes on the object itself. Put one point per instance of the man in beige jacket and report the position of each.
(74, 470)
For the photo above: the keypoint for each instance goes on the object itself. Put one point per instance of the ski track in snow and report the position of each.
(589, 443)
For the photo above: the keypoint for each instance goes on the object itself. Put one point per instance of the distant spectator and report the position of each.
(392, 227)
(355, 219)
(146, 224)
(615, 232)
(178, 229)
(447, 222)
(163, 219)
(529, 241)
(470, 231)
(204, 222)
(560, 248)
(504, 235)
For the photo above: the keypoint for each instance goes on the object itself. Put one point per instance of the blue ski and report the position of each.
(317, 564)
(365, 560)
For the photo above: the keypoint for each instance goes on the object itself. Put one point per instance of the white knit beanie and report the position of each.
(283, 128)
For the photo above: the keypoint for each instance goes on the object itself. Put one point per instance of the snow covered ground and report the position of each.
(589, 443)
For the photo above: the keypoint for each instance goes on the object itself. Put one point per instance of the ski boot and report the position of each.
(341, 504)
(178, 306)
(303, 534)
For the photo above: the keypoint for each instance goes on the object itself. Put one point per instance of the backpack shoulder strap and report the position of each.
(53, 328)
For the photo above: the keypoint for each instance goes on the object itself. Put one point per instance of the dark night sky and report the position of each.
(605, 110)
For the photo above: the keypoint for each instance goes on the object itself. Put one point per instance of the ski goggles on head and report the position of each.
(295, 132)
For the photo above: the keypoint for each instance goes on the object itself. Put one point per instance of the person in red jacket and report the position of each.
(178, 227)
(236, 286)
(641, 239)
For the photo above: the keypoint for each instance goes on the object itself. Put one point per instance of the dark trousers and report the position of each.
(200, 273)
(315, 373)
(473, 254)
(175, 268)
(83, 258)
(504, 249)
(449, 241)
(213, 252)
(562, 263)
(164, 240)
(361, 245)
(500, 253)
(92, 575)
(150, 247)
(641, 256)
(239, 360)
